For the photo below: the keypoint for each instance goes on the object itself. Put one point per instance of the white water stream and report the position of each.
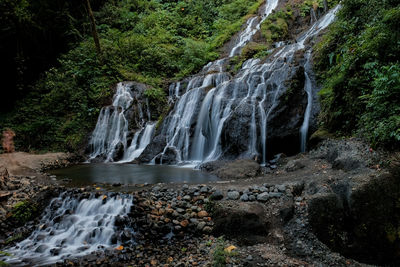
(71, 228)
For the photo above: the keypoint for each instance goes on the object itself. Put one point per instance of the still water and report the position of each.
(86, 174)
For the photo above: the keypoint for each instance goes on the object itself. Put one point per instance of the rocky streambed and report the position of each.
(334, 206)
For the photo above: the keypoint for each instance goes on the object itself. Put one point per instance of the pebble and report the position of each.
(204, 189)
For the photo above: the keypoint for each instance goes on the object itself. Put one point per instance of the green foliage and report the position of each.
(306, 6)
(220, 255)
(358, 61)
(381, 121)
(23, 211)
(146, 41)
(275, 27)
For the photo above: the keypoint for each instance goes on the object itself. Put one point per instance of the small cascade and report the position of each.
(216, 108)
(112, 126)
(252, 26)
(109, 139)
(139, 144)
(71, 228)
(307, 114)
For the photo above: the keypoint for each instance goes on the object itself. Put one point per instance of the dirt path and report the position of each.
(22, 163)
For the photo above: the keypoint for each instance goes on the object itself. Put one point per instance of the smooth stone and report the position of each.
(281, 188)
(201, 225)
(263, 196)
(233, 195)
(275, 194)
(204, 189)
(244, 197)
(217, 195)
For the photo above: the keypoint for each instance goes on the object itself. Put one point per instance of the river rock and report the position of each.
(263, 197)
(216, 195)
(244, 197)
(233, 195)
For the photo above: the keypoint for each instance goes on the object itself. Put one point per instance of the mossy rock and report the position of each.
(23, 212)
(320, 135)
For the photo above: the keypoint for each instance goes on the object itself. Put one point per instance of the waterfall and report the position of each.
(112, 126)
(110, 137)
(138, 145)
(71, 227)
(252, 26)
(213, 97)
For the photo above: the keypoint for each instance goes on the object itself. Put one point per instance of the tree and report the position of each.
(94, 31)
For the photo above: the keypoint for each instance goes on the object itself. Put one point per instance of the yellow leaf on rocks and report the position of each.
(120, 248)
(229, 249)
(98, 188)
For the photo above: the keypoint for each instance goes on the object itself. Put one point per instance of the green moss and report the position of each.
(13, 238)
(23, 211)
(275, 27)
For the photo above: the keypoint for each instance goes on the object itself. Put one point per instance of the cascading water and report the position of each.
(112, 125)
(110, 136)
(71, 228)
(214, 97)
(307, 114)
(139, 144)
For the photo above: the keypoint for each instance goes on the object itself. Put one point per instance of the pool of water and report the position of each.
(87, 174)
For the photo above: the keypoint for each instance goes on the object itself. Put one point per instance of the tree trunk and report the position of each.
(325, 6)
(94, 31)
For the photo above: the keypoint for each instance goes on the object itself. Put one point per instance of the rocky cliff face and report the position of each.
(265, 107)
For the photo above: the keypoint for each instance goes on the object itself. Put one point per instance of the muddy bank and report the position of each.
(22, 163)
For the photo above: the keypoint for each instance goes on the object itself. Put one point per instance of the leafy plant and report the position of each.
(221, 254)
(358, 62)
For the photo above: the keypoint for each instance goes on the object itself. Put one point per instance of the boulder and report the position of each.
(240, 219)
(238, 169)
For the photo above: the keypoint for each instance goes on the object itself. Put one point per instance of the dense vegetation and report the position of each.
(146, 41)
(358, 63)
